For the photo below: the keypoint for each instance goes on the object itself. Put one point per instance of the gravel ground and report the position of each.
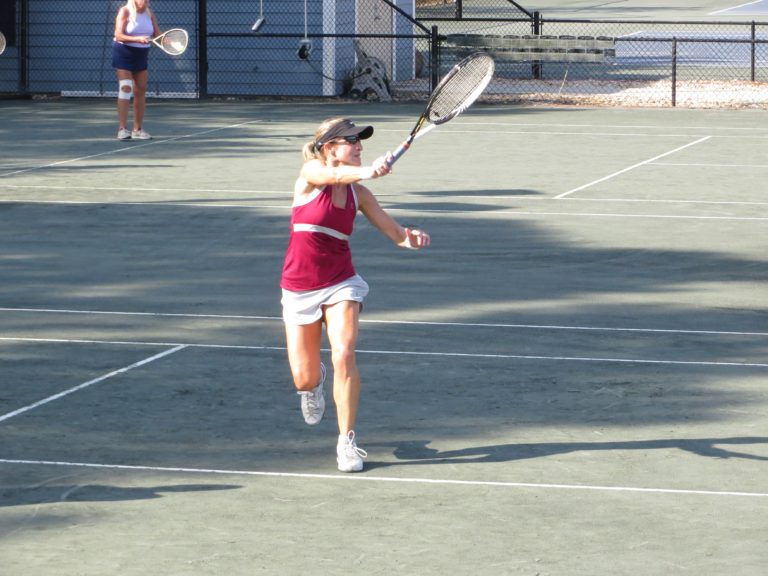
(689, 94)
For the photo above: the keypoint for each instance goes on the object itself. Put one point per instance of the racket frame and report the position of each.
(158, 41)
(420, 129)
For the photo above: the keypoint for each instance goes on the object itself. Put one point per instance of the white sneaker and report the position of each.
(313, 402)
(123, 134)
(348, 456)
(140, 135)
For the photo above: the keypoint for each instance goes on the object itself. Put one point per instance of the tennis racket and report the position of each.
(173, 41)
(2, 42)
(455, 93)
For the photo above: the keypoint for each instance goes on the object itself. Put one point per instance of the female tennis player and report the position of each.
(319, 283)
(135, 26)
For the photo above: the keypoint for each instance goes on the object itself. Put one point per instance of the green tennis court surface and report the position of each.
(570, 381)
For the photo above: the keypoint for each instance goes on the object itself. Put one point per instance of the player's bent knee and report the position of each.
(305, 381)
(126, 89)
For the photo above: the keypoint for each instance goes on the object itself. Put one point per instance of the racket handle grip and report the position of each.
(399, 151)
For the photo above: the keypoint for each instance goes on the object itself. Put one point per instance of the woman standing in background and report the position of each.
(135, 26)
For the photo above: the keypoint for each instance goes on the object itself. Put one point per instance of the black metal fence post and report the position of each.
(754, 51)
(536, 23)
(23, 44)
(202, 49)
(434, 51)
(674, 71)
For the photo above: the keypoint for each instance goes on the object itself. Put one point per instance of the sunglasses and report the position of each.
(349, 140)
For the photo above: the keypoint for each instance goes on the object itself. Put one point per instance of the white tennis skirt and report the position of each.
(307, 307)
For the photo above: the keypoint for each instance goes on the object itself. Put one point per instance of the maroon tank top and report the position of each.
(318, 253)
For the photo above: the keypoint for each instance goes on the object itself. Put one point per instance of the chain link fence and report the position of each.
(309, 48)
(389, 50)
(611, 62)
(63, 47)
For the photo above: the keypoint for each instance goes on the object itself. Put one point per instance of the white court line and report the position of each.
(732, 8)
(699, 165)
(90, 383)
(158, 314)
(667, 200)
(255, 194)
(255, 198)
(394, 322)
(387, 479)
(400, 352)
(467, 122)
(127, 148)
(619, 215)
(497, 130)
(643, 163)
(249, 191)
(422, 210)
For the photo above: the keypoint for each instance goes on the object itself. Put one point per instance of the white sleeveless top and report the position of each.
(142, 26)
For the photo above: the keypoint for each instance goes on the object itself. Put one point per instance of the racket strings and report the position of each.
(462, 88)
(175, 41)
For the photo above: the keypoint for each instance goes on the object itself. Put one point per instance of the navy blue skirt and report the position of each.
(129, 57)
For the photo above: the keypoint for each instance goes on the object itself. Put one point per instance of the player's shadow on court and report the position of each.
(419, 452)
(48, 494)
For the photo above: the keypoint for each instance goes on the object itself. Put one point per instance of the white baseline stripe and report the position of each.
(708, 128)
(366, 478)
(661, 200)
(499, 129)
(732, 8)
(405, 353)
(569, 358)
(713, 165)
(250, 192)
(122, 313)
(90, 383)
(395, 322)
(643, 163)
(412, 209)
(421, 210)
(556, 327)
(615, 215)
